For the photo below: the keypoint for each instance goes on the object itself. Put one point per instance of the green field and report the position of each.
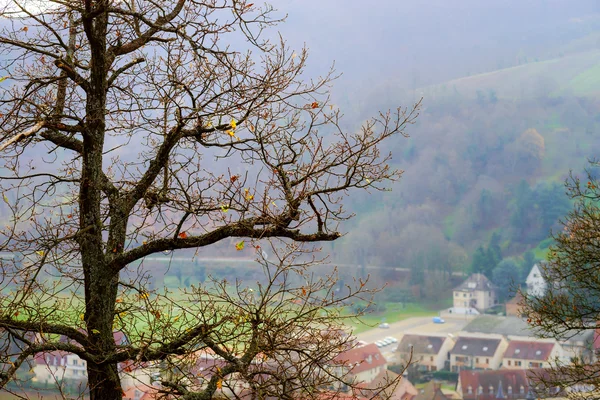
(394, 312)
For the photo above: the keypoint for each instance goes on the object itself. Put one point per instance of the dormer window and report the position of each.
(485, 349)
(509, 390)
(464, 347)
(522, 390)
(491, 390)
(469, 390)
(538, 353)
(517, 351)
(430, 346)
(480, 390)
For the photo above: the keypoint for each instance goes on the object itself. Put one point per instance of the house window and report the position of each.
(487, 360)
(509, 390)
(491, 389)
(535, 364)
(456, 294)
(522, 390)
(74, 362)
(509, 363)
(469, 390)
(433, 368)
(517, 363)
(431, 358)
(480, 390)
(477, 360)
(464, 295)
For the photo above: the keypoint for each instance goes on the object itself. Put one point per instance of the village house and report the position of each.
(57, 366)
(475, 294)
(429, 352)
(361, 364)
(536, 284)
(387, 385)
(481, 352)
(530, 354)
(513, 306)
(431, 391)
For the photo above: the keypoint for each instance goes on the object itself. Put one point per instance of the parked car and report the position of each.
(379, 343)
(385, 325)
(438, 320)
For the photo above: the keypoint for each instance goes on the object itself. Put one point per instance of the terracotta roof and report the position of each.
(143, 393)
(517, 299)
(394, 387)
(476, 282)
(431, 391)
(512, 380)
(57, 357)
(525, 350)
(470, 346)
(421, 344)
(362, 358)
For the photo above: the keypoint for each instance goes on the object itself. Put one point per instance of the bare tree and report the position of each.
(135, 127)
(570, 303)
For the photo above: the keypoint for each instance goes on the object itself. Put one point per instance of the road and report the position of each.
(417, 325)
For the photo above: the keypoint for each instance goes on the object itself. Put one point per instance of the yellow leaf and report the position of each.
(119, 300)
(368, 180)
(248, 195)
(5, 198)
(239, 246)
(96, 331)
(4, 78)
(176, 318)
(144, 295)
(224, 208)
(274, 204)
(233, 123)
(220, 384)
(40, 253)
(82, 316)
(231, 133)
(122, 314)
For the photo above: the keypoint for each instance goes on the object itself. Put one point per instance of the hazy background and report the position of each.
(509, 108)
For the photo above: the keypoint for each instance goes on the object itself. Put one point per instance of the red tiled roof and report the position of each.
(51, 357)
(517, 299)
(476, 282)
(144, 393)
(362, 358)
(471, 346)
(509, 378)
(527, 350)
(421, 344)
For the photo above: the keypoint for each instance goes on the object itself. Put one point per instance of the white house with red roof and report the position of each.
(530, 354)
(361, 363)
(430, 352)
(56, 366)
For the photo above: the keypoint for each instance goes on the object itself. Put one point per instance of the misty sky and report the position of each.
(418, 43)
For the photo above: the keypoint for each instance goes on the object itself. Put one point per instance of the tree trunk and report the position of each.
(101, 283)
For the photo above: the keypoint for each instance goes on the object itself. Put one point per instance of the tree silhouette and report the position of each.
(138, 127)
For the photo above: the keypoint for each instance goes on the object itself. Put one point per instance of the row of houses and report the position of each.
(434, 353)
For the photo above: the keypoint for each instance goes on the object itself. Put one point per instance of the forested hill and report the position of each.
(484, 170)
